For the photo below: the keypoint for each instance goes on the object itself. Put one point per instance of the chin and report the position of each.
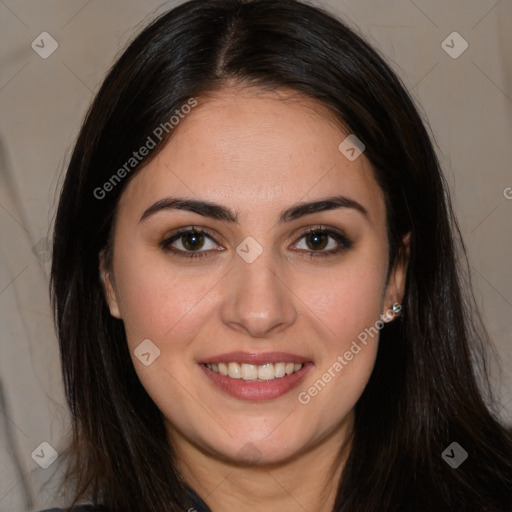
(252, 450)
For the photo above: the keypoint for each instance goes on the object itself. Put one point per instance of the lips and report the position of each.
(255, 377)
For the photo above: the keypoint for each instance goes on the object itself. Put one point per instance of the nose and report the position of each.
(258, 301)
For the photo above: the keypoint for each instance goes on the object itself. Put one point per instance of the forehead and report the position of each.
(256, 150)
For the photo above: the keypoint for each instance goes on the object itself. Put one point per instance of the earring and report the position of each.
(391, 314)
(397, 309)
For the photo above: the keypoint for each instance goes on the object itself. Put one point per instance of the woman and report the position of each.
(257, 284)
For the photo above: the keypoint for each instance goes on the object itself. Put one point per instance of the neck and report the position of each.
(308, 481)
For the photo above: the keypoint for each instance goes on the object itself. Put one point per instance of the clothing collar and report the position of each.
(198, 504)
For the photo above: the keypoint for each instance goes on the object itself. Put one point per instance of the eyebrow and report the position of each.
(219, 212)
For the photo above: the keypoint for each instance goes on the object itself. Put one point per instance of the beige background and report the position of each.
(468, 101)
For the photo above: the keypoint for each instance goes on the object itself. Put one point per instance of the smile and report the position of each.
(255, 377)
(254, 372)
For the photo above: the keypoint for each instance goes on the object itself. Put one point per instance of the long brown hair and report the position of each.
(429, 387)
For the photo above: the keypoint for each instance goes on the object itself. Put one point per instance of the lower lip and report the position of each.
(257, 391)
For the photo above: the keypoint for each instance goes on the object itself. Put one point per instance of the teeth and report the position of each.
(268, 371)
(233, 370)
(280, 370)
(248, 371)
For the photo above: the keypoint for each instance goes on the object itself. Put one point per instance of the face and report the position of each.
(246, 304)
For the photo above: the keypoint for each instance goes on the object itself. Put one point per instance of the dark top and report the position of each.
(198, 504)
(81, 508)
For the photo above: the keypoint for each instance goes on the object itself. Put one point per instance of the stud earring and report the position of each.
(391, 314)
(397, 309)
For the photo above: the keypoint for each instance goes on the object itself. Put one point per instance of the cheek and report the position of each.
(170, 310)
(346, 307)
(161, 304)
(346, 300)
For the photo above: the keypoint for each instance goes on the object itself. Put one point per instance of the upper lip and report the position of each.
(253, 358)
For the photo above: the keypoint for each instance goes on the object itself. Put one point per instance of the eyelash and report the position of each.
(344, 242)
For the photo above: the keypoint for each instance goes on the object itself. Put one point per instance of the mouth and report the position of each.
(255, 377)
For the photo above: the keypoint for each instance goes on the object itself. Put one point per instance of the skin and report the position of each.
(257, 153)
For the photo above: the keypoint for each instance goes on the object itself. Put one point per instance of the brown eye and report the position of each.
(322, 242)
(317, 240)
(192, 241)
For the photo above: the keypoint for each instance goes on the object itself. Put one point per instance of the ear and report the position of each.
(108, 286)
(395, 288)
